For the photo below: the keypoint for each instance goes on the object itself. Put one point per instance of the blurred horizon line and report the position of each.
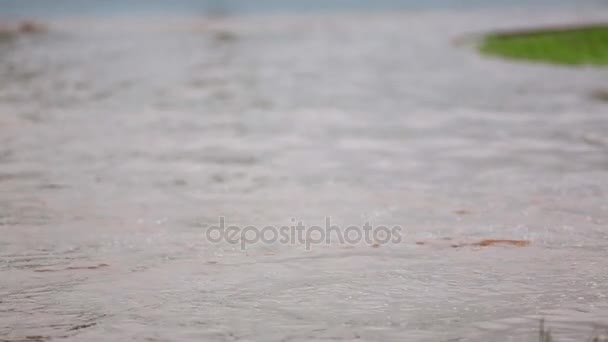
(55, 8)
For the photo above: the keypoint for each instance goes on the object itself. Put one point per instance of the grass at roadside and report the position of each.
(572, 46)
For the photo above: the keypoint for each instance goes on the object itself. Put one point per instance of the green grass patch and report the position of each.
(572, 46)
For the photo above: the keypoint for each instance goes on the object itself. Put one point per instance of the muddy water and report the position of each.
(122, 140)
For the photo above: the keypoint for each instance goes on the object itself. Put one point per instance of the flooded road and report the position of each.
(122, 140)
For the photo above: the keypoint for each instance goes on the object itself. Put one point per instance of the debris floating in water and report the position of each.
(480, 243)
(72, 268)
(490, 242)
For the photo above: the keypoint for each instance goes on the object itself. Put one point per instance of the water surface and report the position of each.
(123, 139)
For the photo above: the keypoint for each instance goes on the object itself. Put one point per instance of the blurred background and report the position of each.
(65, 7)
(127, 128)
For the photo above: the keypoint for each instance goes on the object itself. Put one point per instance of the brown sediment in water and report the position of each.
(480, 243)
(72, 268)
(491, 242)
